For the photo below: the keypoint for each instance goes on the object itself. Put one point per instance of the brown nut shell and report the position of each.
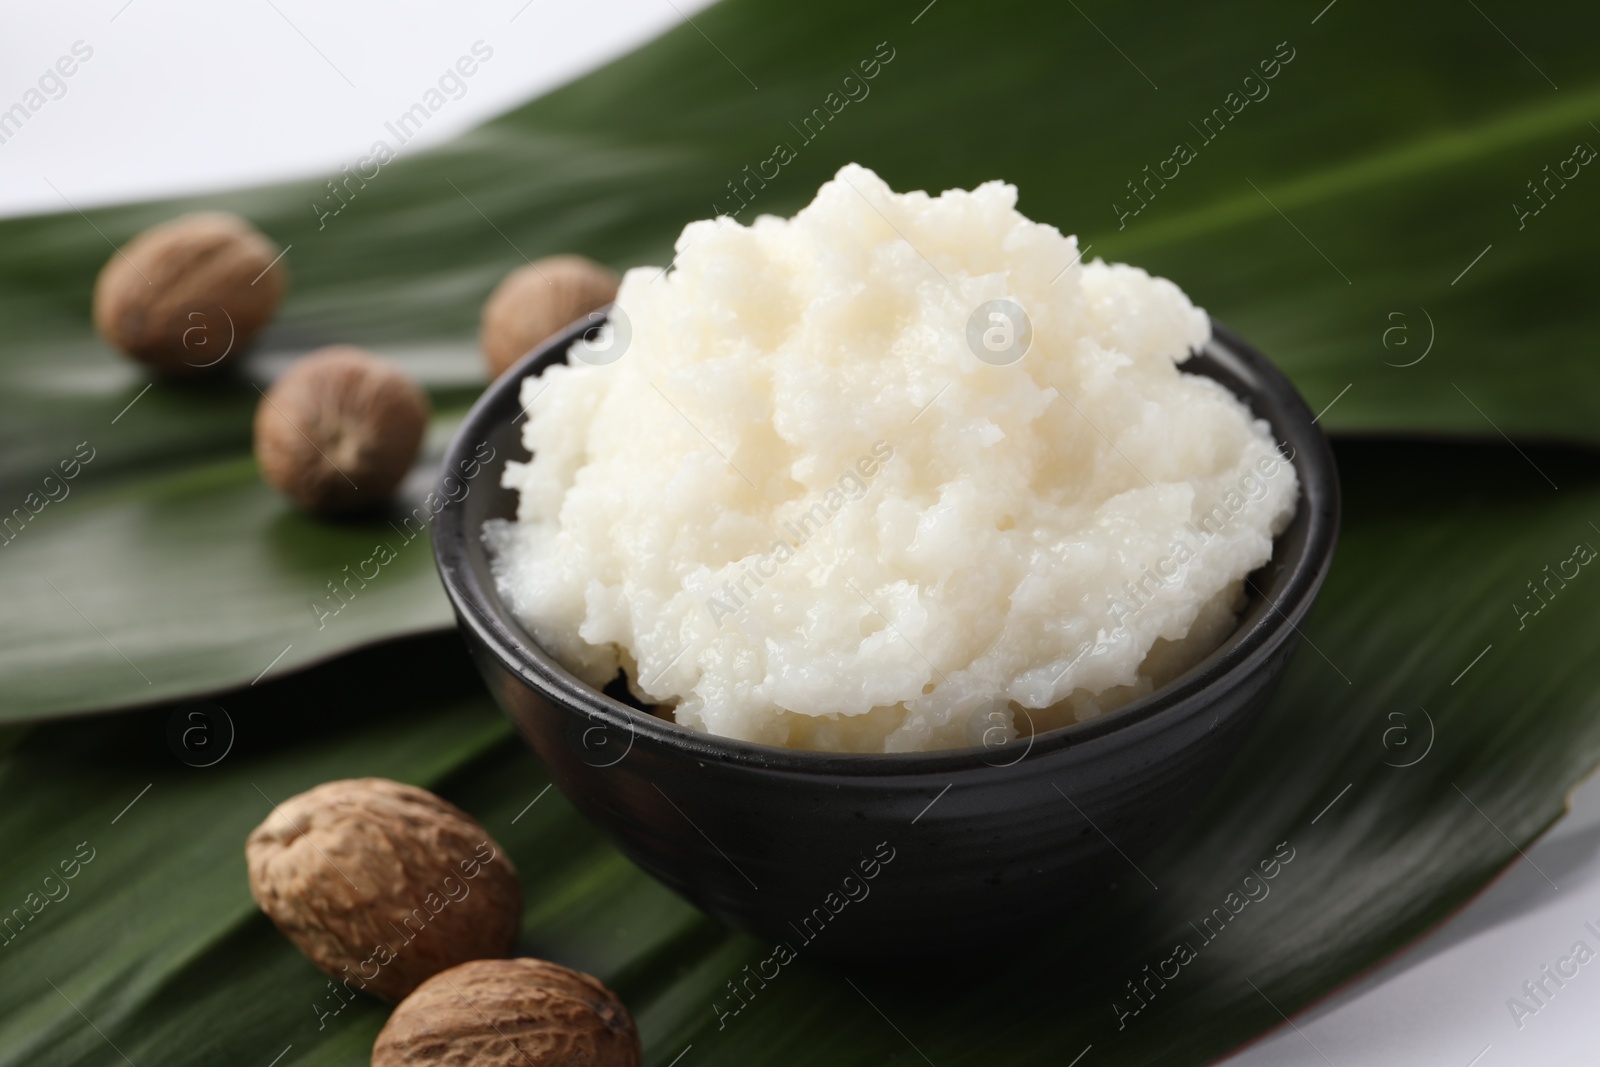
(383, 885)
(509, 1013)
(537, 300)
(340, 430)
(189, 295)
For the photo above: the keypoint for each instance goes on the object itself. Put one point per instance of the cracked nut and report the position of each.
(339, 430)
(509, 1013)
(534, 302)
(383, 885)
(188, 295)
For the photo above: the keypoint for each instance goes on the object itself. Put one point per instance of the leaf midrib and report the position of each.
(1459, 145)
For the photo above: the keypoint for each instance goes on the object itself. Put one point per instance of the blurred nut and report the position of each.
(537, 300)
(186, 295)
(383, 885)
(339, 430)
(509, 1013)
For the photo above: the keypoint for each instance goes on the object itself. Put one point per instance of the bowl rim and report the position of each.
(480, 610)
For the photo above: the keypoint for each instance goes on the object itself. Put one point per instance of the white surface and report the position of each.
(188, 95)
(182, 96)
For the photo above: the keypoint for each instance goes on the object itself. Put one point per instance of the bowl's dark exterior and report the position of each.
(889, 856)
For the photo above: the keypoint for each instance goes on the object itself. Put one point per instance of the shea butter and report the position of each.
(898, 473)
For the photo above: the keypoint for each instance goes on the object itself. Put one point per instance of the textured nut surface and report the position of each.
(535, 301)
(339, 430)
(190, 294)
(509, 1013)
(382, 885)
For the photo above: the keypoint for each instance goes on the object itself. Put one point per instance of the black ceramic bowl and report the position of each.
(892, 855)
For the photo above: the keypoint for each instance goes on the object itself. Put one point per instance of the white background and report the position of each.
(184, 95)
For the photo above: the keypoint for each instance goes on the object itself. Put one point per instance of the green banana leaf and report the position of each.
(1355, 219)
(1424, 733)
